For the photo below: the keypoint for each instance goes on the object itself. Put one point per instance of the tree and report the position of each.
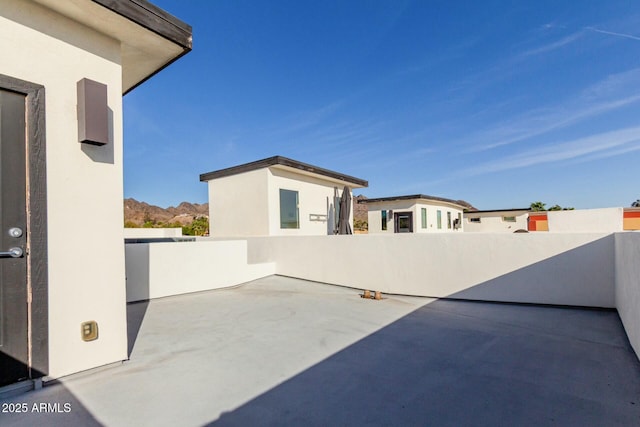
(199, 227)
(538, 206)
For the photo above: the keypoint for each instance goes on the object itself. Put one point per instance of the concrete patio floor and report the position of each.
(286, 352)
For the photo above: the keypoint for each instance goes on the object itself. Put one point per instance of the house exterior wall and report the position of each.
(586, 220)
(374, 214)
(538, 221)
(631, 219)
(315, 197)
(238, 205)
(493, 222)
(375, 209)
(432, 218)
(84, 183)
(248, 204)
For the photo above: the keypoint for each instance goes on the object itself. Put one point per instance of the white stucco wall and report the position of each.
(569, 269)
(493, 222)
(238, 205)
(432, 218)
(84, 183)
(586, 221)
(313, 195)
(375, 209)
(157, 270)
(248, 204)
(142, 233)
(627, 284)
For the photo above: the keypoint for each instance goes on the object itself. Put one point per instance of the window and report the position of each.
(424, 217)
(384, 220)
(289, 215)
(509, 218)
(474, 220)
(449, 220)
(439, 220)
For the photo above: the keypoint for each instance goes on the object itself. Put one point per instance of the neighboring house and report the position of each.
(497, 221)
(577, 221)
(65, 66)
(414, 214)
(276, 196)
(605, 220)
(631, 219)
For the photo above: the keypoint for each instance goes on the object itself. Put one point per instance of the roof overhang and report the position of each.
(290, 165)
(414, 197)
(498, 211)
(150, 38)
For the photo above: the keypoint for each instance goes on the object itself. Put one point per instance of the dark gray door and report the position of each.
(403, 222)
(13, 218)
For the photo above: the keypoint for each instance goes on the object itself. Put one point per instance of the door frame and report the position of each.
(36, 245)
(396, 217)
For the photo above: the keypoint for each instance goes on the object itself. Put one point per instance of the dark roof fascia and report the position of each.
(156, 20)
(282, 161)
(411, 197)
(153, 19)
(500, 210)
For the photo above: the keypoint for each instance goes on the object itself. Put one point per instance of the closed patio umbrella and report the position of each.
(345, 210)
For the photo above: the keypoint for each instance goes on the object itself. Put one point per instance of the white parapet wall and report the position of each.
(627, 284)
(146, 233)
(157, 270)
(575, 269)
(564, 269)
(606, 220)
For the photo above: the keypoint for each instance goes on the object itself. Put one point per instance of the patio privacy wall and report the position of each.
(145, 233)
(567, 269)
(575, 269)
(157, 270)
(627, 285)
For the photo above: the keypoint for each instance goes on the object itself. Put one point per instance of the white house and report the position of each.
(274, 197)
(497, 221)
(65, 66)
(414, 214)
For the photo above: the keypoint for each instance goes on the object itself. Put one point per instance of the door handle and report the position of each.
(12, 252)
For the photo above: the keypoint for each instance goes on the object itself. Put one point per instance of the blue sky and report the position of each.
(497, 103)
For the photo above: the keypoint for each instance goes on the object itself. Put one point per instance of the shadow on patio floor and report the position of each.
(453, 363)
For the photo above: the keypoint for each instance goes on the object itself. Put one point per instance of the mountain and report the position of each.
(137, 213)
(360, 211)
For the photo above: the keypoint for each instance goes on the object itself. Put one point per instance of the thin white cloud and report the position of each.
(553, 46)
(611, 33)
(307, 119)
(599, 145)
(602, 97)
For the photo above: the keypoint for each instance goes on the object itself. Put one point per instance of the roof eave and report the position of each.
(288, 163)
